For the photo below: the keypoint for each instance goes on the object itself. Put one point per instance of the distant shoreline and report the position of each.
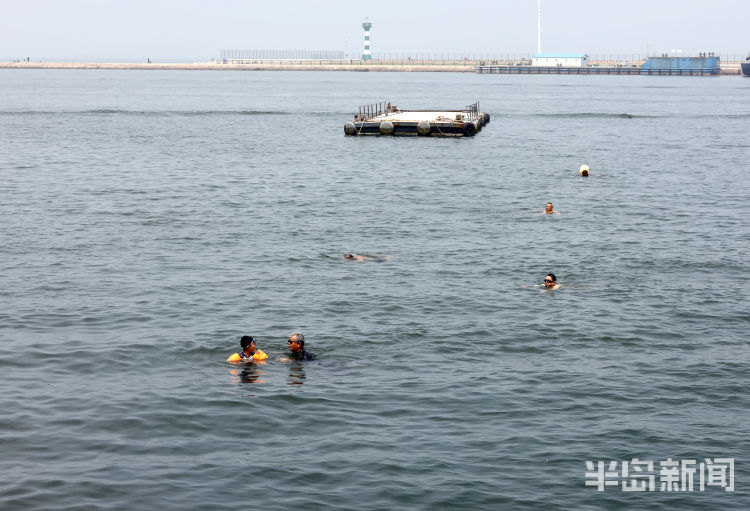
(265, 66)
(728, 68)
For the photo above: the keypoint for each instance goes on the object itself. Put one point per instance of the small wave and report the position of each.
(728, 116)
(604, 115)
(108, 111)
(596, 115)
(235, 112)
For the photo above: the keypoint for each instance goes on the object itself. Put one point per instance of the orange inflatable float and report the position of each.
(258, 356)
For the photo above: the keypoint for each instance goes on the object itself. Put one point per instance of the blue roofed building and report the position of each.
(560, 60)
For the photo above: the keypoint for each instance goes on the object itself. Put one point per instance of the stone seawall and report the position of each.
(727, 68)
(266, 66)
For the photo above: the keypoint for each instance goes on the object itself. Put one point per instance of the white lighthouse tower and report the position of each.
(366, 55)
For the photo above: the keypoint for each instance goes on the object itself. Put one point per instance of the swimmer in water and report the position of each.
(249, 351)
(550, 281)
(355, 257)
(359, 258)
(584, 171)
(297, 348)
(549, 209)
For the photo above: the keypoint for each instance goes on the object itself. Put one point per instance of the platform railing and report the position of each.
(471, 112)
(373, 110)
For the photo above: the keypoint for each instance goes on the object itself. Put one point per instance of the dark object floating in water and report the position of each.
(386, 119)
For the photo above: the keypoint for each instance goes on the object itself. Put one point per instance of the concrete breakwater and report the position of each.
(450, 66)
(260, 66)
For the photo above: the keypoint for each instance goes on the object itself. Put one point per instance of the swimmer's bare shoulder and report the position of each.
(378, 258)
(353, 257)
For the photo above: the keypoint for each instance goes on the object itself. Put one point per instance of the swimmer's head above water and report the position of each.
(296, 342)
(549, 207)
(584, 170)
(246, 341)
(248, 344)
(550, 280)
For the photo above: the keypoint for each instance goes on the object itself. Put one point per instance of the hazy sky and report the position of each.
(197, 30)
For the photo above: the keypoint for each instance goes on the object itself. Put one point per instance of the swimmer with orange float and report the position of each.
(584, 171)
(249, 352)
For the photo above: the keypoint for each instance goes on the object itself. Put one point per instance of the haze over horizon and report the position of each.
(197, 30)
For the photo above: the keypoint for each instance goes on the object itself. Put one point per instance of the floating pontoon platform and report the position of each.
(386, 119)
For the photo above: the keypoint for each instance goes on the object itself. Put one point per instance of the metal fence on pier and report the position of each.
(431, 58)
(546, 70)
(250, 56)
(471, 112)
(373, 110)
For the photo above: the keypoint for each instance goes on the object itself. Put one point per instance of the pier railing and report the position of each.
(595, 70)
(337, 57)
(373, 110)
(241, 56)
(471, 112)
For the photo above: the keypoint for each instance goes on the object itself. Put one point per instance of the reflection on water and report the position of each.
(249, 373)
(296, 373)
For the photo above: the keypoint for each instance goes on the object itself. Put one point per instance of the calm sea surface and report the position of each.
(149, 219)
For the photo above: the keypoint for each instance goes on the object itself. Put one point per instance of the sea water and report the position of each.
(151, 218)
